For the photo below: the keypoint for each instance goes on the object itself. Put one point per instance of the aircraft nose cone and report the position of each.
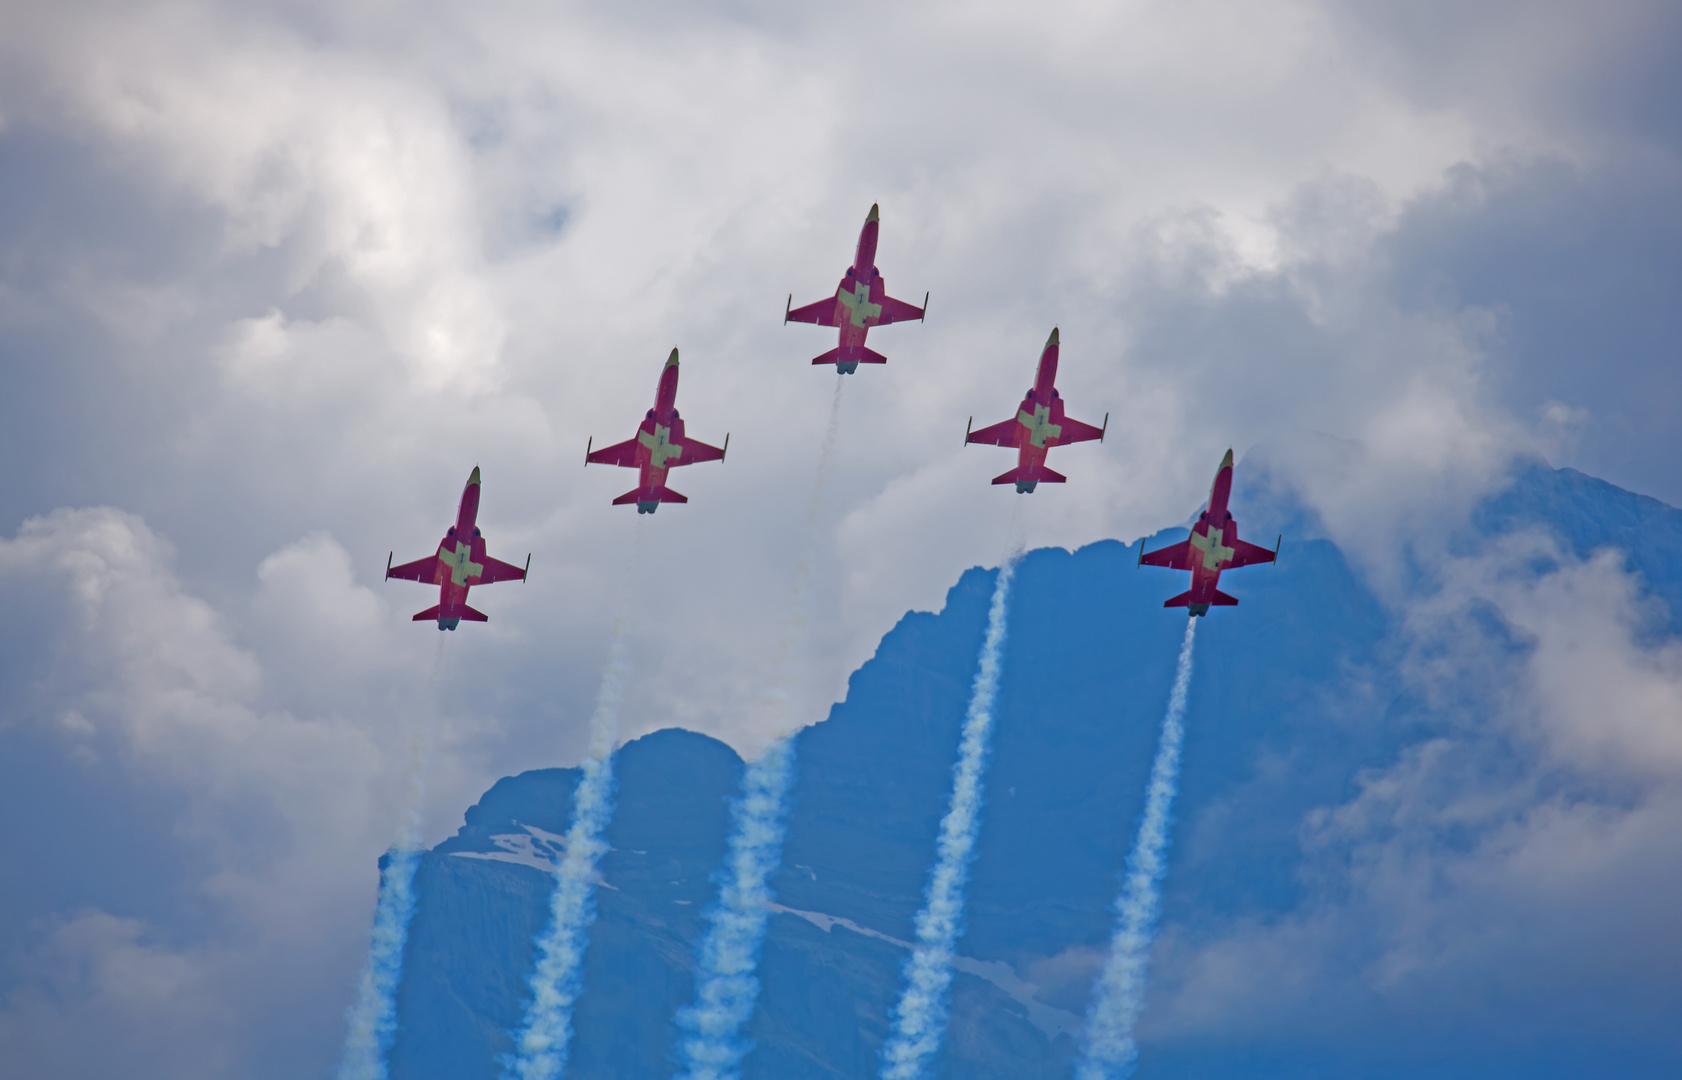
(1226, 462)
(671, 361)
(1052, 340)
(474, 479)
(874, 215)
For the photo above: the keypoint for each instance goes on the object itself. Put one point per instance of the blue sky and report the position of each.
(273, 279)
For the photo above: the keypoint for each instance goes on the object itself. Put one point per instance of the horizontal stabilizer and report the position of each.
(1039, 475)
(858, 354)
(665, 495)
(1220, 599)
(462, 611)
(426, 616)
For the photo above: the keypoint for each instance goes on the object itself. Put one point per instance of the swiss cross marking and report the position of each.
(1040, 428)
(858, 302)
(660, 447)
(1214, 555)
(461, 568)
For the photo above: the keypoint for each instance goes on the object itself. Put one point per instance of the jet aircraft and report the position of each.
(1039, 425)
(1213, 546)
(860, 302)
(460, 564)
(659, 446)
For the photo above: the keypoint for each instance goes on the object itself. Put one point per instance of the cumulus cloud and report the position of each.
(285, 792)
(96, 972)
(1506, 874)
(291, 271)
(450, 243)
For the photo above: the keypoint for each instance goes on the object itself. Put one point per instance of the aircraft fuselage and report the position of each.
(1039, 419)
(659, 440)
(858, 304)
(1212, 543)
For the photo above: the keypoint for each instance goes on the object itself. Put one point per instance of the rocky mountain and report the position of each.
(1296, 692)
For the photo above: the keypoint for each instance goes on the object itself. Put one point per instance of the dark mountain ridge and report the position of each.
(1295, 693)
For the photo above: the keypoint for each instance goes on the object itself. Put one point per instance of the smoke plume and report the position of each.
(727, 982)
(1109, 1050)
(727, 965)
(542, 1043)
(919, 1021)
(371, 1020)
(372, 1017)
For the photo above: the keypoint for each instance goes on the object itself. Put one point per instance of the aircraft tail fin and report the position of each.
(1220, 599)
(642, 495)
(1031, 475)
(852, 356)
(457, 611)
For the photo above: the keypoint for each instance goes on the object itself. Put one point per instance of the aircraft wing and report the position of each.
(897, 311)
(1173, 556)
(1074, 431)
(821, 313)
(695, 450)
(624, 453)
(1248, 554)
(424, 571)
(497, 570)
(1001, 434)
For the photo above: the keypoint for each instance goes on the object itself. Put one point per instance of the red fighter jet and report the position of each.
(460, 564)
(1039, 425)
(1213, 546)
(860, 302)
(660, 445)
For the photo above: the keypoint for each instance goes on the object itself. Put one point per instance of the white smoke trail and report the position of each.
(727, 982)
(727, 964)
(542, 1044)
(800, 605)
(919, 1021)
(371, 1020)
(1119, 993)
(372, 1017)
(544, 1038)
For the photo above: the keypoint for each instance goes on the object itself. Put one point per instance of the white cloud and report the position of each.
(103, 994)
(470, 238)
(1076, 169)
(292, 775)
(1513, 866)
